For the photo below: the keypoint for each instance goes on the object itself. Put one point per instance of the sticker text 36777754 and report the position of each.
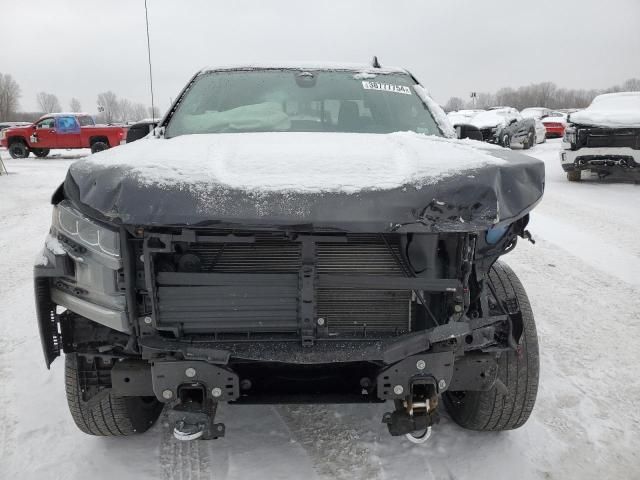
(386, 87)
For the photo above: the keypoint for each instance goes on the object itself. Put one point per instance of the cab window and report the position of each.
(85, 120)
(45, 123)
(67, 124)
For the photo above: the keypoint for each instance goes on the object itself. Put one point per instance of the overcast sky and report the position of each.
(81, 48)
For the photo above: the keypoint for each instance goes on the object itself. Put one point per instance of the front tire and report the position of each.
(18, 150)
(530, 141)
(40, 152)
(494, 410)
(105, 414)
(574, 175)
(98, 147)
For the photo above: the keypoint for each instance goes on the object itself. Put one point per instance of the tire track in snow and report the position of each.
(184, 460)
(335, 446)
(588, 335)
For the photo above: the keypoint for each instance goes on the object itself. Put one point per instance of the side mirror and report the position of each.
(512, 121)
(468, 131)
(33, 126)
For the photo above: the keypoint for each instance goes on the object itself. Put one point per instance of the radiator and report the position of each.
(255, 287)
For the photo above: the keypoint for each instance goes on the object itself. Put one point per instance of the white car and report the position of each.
(541, 130)
(535, 112)
(604, 138)
(462, 117)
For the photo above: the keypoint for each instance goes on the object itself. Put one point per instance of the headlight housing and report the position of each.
(88, 233)
(570, 135)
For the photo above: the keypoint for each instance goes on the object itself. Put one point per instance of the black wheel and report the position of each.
(506, 140)
(98, 147)
(105, 414)
(18, 149)
(496, 409)
(574, 175)
(40, 152)
(530, 141)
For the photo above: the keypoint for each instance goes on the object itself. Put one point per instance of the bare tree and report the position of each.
(139, 112)
(454, 104)
(9, 95)
(154, 112)
(48, 102)
(108, 101)
(545, 94)
(631, 85)
(75, 106)
(126, 109)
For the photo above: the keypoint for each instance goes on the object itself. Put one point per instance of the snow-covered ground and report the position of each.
(583, 278)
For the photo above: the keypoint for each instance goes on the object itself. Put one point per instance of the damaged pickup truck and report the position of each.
(604, 138)
(293, 234)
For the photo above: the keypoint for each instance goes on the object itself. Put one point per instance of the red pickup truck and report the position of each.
(60, 130)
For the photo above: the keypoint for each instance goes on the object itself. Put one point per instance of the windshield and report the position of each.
(301, 101)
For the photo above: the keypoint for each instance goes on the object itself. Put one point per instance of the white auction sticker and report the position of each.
(386, 87)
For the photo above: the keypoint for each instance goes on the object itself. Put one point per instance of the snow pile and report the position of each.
(293, 161)
(616, 110)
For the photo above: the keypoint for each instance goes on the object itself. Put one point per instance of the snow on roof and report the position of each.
(462, 116)
(618, 110)
(356, 67)
(65, 114)
(309, 162)
(491, 118)
(534, 112)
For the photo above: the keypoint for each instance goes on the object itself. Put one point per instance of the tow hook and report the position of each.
(193, 416)
(414, 416)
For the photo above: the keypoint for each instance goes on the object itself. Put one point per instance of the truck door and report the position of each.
(44, 135)
(68, 130)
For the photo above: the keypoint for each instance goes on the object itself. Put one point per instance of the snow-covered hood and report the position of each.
(613, 110)
(327, 179)
(488, 119)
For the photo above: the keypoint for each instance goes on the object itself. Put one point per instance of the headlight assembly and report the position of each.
(86, 232)
(570, 135)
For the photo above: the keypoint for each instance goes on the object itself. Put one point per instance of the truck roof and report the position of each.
(356, 67)
(66, 114)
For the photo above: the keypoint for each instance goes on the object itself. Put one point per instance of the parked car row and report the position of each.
(604, 138)
(507, 126)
